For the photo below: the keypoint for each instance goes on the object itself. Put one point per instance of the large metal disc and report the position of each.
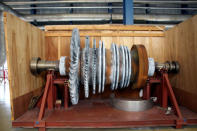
(99, 66)
(126, 67)
(113, 66)
(129, 66)
(86, 61)
(74, 66)
(103, 66)
(139, 60)
(94, 65)
(122, 65)
(117, 66)
(131, 104)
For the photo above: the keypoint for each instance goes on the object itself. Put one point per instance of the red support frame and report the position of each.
(166, 91)
(49, 97)
(146, 91)
(44, 98)
(66, 98)
(180, 121)
(163, 89)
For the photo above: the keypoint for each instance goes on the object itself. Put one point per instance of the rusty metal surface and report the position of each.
(139, 66)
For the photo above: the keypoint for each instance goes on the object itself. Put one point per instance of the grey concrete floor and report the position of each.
(5, 118)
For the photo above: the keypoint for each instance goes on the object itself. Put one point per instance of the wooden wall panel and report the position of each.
(52, 46)
(23, 41)
(181, 45)
(150, 36)
(64, 50)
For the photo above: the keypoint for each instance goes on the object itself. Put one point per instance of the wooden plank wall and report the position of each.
(58, 38)
(23, 41)
(181, 45)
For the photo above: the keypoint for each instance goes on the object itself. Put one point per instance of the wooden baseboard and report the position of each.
(21, 103)
(186, 99)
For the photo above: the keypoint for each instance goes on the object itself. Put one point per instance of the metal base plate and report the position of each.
(102, 115)
(131, 105)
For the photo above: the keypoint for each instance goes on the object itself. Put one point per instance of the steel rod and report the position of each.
(103, 17)
(165, 8)
(81, 7)
(94, 1)
(101, 7)
(164, 2)
(61, 1)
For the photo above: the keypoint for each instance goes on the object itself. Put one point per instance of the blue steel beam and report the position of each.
(128, 12)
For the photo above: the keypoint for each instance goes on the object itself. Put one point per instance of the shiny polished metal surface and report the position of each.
(113, 66)
(122, 65)
(99, 67)
(117, 66)
(129, 66)
(170, 66)
(131, 104)
(126, 67)
(103, 66)
(37, 65)
(33, 65)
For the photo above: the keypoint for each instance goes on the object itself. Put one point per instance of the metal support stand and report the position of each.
(49, 97)
(153, 117)
(166, 90)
